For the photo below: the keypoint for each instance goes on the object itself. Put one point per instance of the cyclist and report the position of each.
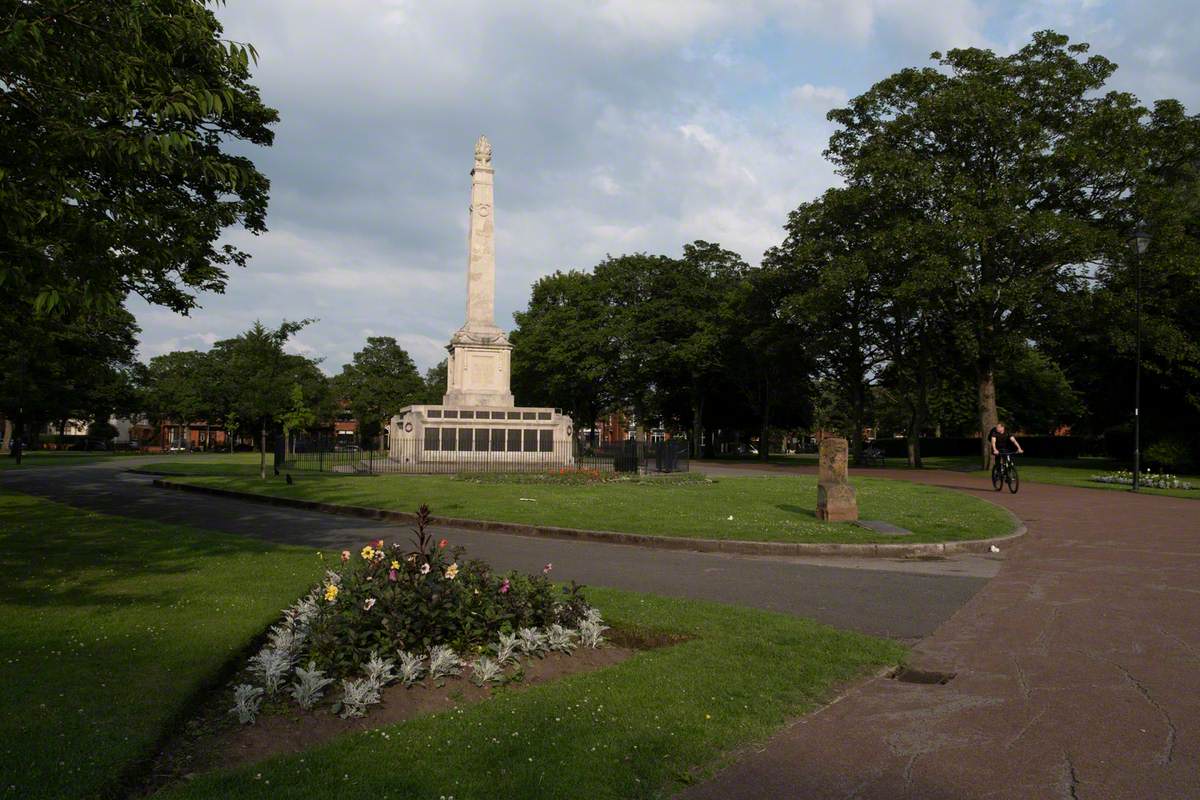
(1003, 444)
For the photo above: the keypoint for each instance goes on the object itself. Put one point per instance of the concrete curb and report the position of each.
(778, 549)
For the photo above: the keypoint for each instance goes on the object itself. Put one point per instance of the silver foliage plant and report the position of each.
(356, 696)
(271, 665)
(412, 667)
(287, 637)
(247, 700)
(380, 671)
(591, 632)
(560, 639)
(309, 685)
(443, 662)
(485, 670)
(506, 651)
(533, 641)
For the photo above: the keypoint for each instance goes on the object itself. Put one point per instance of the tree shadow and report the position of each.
(798, 510)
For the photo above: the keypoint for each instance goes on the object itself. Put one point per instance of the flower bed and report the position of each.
(1153, 480)
(572, 476)
(393, 614)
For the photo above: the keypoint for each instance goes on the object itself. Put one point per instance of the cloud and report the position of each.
(618, 126)
(820, 97)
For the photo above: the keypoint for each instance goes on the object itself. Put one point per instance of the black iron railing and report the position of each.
(325, 454)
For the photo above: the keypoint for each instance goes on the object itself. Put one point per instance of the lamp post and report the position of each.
(1140, 241)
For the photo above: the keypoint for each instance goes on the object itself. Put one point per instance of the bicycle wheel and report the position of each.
(1014, 481)
(997, 476)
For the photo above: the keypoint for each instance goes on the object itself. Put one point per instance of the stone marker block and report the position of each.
(835, 497)
(834, 460)
(836, 502)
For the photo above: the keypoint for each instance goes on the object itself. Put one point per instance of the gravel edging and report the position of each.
(739, 547)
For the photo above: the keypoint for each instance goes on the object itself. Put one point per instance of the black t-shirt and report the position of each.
(1004, 442)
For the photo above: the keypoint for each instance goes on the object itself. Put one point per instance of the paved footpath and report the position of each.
(1077, 673)
(902, 599)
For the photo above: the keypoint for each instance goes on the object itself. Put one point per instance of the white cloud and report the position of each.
(820, 97)
(618, 125)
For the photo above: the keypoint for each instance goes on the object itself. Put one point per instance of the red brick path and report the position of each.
(1078, 672)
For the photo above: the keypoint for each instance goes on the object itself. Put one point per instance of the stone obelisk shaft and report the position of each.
(479, 367)
(481, 245)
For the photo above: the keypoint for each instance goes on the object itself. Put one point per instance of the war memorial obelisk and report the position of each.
(478, 422)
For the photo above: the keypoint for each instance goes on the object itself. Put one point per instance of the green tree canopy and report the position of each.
(1018, 166)
(377, 383)
(117, 173)
(259, 376)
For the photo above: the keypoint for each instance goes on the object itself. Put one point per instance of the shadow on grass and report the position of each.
(811, 513)
(43, 544)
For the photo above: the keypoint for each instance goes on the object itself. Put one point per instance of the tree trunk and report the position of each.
(764, 437)
(914, 438)
(697, 422)
(858, 413)
(988, 418)
(920, 409)
(262, 453)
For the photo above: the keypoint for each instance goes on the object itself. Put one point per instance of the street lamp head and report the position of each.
(1140, 238)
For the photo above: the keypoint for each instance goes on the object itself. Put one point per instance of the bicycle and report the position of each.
(1004, 471)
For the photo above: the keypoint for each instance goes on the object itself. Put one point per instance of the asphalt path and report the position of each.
(901, 599)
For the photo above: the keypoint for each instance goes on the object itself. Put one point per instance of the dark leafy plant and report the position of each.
(390, 597)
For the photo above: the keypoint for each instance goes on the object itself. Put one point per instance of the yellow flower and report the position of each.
(331, 593)
(395, 564)
(451, 571)
(368, 553)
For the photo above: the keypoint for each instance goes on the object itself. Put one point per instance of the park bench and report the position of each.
(870, 457)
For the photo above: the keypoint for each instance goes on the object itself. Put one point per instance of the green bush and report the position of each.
(387, 598)
(1170, 453)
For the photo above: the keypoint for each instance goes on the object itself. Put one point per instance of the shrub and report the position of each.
(1170, 453)
(309, 686)
(356, 696)
(443, 662)
(247, 700)
(412, 667)
(407, 602)
(388, 598)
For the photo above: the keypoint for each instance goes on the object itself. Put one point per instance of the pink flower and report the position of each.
(345, 555)
(392, 575)
(442, 544)
(546, 569)
(368, 604)
(504, 586)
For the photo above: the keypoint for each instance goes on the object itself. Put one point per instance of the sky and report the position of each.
(617, 126)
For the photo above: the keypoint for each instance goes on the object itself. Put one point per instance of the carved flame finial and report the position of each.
(483, 152)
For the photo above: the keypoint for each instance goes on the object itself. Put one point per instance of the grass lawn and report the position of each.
(62, 458)
(108, 627)
(1064, 472)
(763, 508)
(1061, 471)
(638, 729)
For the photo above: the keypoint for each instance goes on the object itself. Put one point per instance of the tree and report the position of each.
(1017, 161)
(563, 351)
(833, 295)
(379, 381)
(298, 415)
(260, 376)
(435, 381)
(75, 366)
(117, 173)
(178, 387)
